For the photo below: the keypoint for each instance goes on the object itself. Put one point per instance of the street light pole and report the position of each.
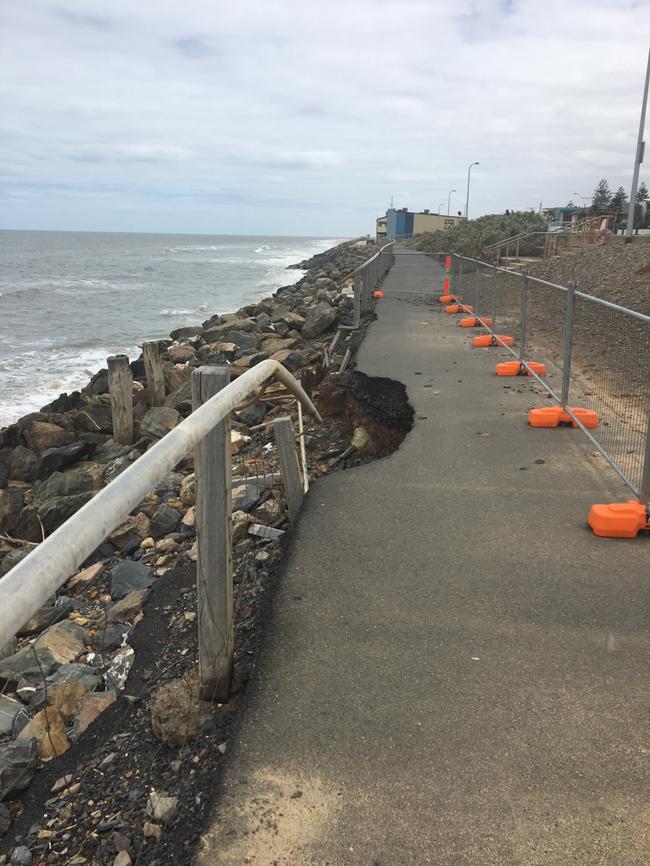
(449, 201)
(638, 159)
(440, 207)
(469, 171)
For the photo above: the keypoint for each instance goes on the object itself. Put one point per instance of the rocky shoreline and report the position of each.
(107, 749)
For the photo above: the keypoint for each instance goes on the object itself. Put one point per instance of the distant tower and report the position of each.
(392, 204)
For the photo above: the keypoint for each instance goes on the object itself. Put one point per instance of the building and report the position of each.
(402, 224)
(560, 217)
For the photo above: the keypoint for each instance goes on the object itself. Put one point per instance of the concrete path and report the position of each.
(456, 670)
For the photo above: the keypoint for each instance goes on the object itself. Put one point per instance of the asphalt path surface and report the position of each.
(456, 669)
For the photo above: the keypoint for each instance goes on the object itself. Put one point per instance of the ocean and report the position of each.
(70, 299)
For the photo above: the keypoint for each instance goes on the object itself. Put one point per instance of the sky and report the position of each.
(297, 117)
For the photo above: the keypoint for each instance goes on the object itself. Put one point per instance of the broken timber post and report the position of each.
(120, 387)
(285, 440)
(154, 370)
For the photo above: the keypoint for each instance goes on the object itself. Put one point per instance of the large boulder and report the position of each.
(289, 358)
(84, 478)
(181, 354)
(55, 459)
(186, 332)
(164, 521)
(318, 319)
(22, 464)
(40, 435)
(55, 511)
(158, 421)
(96, 415)
(275, 344)
(12, 500)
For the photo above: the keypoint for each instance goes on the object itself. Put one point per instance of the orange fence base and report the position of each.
(554, 416)
(475, 322)
(458, 308)
(446, 299)
(516, 368)
(378, 293)
(620, 520)
(487, 340)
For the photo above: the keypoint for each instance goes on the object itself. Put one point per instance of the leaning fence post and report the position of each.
(644, 490)
(357, 301)
(460, 276)
(523, 312)
(212, 467)
(154, 372)
(568, 341)
(285, 441)
(494, 298)
(477, 277)
(120, 388)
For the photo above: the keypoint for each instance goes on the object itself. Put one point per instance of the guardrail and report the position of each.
(600, 351)
(32, 581)
(547, 243)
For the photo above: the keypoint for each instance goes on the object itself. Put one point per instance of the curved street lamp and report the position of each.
(469, 171)
(449, 200)
(440, 207)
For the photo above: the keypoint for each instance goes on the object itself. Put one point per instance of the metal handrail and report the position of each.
(34, 579)
(366, 263)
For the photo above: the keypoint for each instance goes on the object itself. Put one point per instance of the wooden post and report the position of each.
(285, 440)
(120, 387)
(154, 370)
(212, 468)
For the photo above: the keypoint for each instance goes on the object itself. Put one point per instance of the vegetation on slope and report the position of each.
(470, 237)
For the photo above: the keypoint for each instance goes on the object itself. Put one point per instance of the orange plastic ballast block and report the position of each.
(484, 341)
(446, 299)
(448, 263)
(378, 293)
(475, 322)
(458, 308)
(517, 368)
(620, 520)
(554, 416)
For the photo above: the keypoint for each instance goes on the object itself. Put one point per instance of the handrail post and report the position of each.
(568, 342)
(356, 282)
(285, 440)
(523, 313)
(120, 388)
(212, 468)
(154, 372)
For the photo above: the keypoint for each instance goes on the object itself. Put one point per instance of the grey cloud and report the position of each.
(83, 18)
(193, 47)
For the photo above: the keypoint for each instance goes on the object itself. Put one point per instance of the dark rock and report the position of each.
(113, 637)
(98, 384)
(158, 421)
(12, 558)
(4, 477)
(137, 368)
(5, 819)
(96, 416)
(9, 709)
(181, 399)
(129, 576)
(318, 319)
(12, 500)
(245, 495)
(289, 358)
(80, 479)
(186, 332)
(47, 615)
(21, 856)
(54, 459)
(53, 512)
(17, 765)
(164, 521)
(22, 464)
(27, 525)
(252, 415)
(64, 403)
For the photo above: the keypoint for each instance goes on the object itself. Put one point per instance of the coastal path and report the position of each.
(455, 669)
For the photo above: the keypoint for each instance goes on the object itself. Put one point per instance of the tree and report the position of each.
(618, 201)
(602, 199)
(642, 192)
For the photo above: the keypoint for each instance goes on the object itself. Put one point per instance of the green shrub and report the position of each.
(471, 237)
